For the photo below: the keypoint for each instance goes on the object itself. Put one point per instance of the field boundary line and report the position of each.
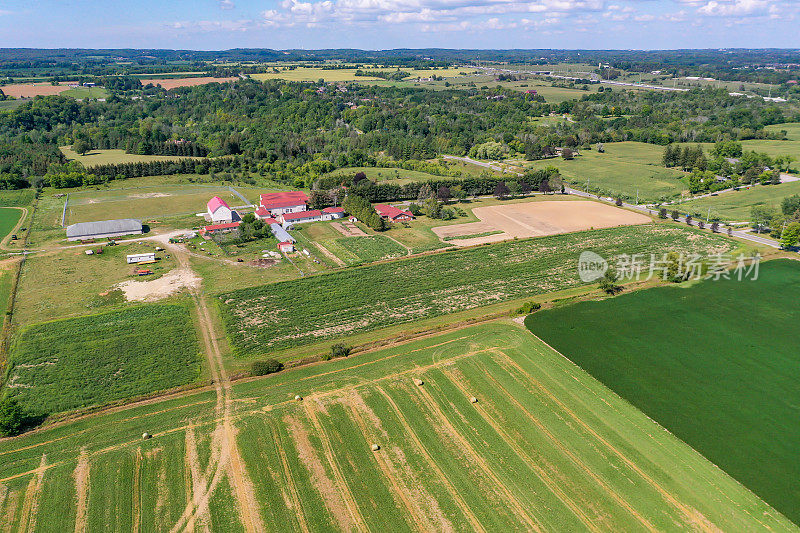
(347, 495)
(296, 500)
(400, 492)
(690, 513)
(30, 505)
(519, 510)
(572, 457)
(462, 505)
(136, 496)
(522, 454)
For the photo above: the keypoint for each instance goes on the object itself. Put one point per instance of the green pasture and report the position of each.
(17, 198)
(262, 319)
(79, 362)
(715, 363)
(622, 170)
(792, 130)
(8, 219)
(735, 206)
(114, 157)
(545, 447)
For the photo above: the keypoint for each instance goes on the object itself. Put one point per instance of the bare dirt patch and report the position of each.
(29, 90)
(166, 285)
(537, 219)
(348, 229)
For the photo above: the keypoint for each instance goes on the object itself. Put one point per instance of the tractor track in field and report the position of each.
(30, 503)
(462, 505)
(81, 476)
(545, 477)
(480, 461)
(400, 493)
(693, 516)
(287, 472)
(197, 480)
(136, 490)
(344, 489)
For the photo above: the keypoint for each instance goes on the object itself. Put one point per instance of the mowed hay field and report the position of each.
(289, 314)
(145, 203)
(546, 447)
(8, 219)
(115, 157)
(727, 384)
(536, 219)
(89, 360)
(622, 170)
(736, 206)
(174, 83)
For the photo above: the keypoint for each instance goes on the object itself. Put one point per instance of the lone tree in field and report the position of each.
(675, 215)
(701, 224)
(81, 147)
(618, 202)
(730, 231)
(688, 220)
(608, 283)
(501, 191)
(715, 227)
(567, 154)
(662, 213)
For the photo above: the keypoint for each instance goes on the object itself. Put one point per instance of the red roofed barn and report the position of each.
(219, 211)
(393, 214)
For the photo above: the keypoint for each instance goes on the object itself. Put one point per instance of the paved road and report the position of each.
(641, 208)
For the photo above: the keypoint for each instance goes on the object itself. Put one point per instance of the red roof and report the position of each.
(274, 200)
(215, 203)
(391, 212)
(302, 214)
(229, 225)
(333, 210)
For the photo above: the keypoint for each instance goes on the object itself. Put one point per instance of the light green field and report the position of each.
(8, 219)
(623, 169)
(82, 93)
(346, 74)
(17, 198)
(396, 176)
(545, 447)
(115, 157)
(735, 206)
(145, 203)
(771, 148)
(792, 130)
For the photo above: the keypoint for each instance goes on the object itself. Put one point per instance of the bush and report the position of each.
(528, 308)
(11, 417)
(337, 350)
(268, 366)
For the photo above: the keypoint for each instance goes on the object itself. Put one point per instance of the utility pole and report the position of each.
(637, 196)
(708, 216)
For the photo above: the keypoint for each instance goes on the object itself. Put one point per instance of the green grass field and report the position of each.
(262, 319)
(115, 157)
(89, 360)
(82, 93)
(346, 74)
(375, 248)
(545, 447)
(145, 203)
(8, 219)
(715, 363)
(17, 198)
(623, 169)
(792, 130)
(735, 206)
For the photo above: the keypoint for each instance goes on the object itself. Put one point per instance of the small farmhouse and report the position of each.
(332, 213)
(278, 203)
(104, 228)
(219, 228)
(219, 212)
(393, 214)
(300, 217)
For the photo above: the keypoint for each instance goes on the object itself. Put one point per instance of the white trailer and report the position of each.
(140, 258)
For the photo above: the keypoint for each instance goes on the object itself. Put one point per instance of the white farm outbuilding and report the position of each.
(219, 211)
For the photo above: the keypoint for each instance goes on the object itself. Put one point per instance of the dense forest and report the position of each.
(291, 130)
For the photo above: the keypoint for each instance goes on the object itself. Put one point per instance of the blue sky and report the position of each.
(377, 24)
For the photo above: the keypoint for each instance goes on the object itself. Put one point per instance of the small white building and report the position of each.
(332, 213)
(301, 217)
(141, 258)
(219, 211)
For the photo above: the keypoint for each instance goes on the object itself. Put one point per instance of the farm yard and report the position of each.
(290, 314)
(544, 445)
(726, 388)
(536, 219)
(80, 362)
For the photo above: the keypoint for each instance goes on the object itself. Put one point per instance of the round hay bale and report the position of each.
(473, 399)
(418, 382)
(146, 435)
(375, 447)
(298, 397)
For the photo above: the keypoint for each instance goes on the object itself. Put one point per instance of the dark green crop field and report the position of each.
(292, 313)
(89, 360)
(717, 364)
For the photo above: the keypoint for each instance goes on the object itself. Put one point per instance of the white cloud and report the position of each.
(226, 4)
(733, 8)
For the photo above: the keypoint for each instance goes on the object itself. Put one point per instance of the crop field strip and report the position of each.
(545, 447)
(292, 313)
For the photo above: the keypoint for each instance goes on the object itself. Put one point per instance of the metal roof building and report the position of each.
(281, 234)
(104, 228)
